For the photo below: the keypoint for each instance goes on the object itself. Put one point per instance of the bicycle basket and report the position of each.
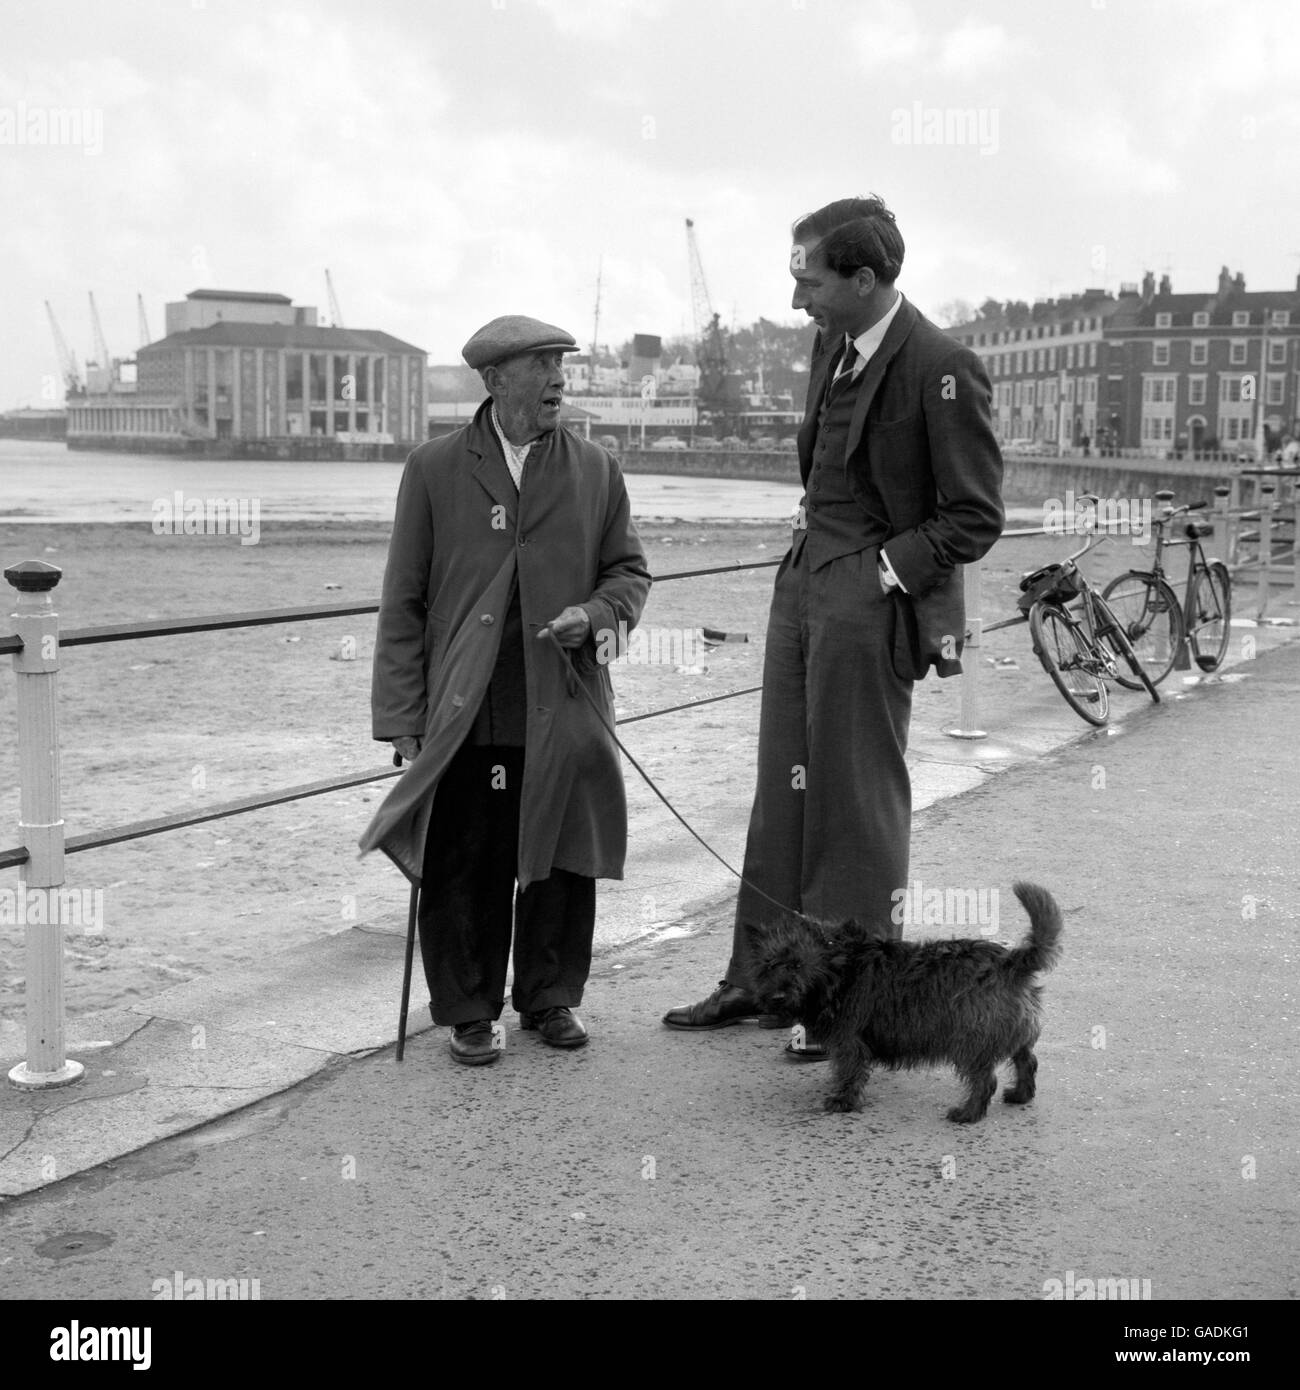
(1061, 582)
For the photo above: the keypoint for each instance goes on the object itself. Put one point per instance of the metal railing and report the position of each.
(35, 646)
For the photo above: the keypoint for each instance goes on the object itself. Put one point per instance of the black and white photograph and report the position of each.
(650, 652)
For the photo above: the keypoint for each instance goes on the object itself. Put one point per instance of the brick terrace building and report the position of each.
(1148, 370)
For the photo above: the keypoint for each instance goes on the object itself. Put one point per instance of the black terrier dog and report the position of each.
(906, 1003)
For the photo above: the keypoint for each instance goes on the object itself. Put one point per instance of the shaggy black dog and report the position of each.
(907, 1003)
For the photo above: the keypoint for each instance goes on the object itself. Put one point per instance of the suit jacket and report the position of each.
(921, 438)
(461, 538)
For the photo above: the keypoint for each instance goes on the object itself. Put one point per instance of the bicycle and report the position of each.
(1155, 620)
(1077, 637)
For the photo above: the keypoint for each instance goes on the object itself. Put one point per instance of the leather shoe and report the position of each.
(727, 1004)
(471, 1043)
(559, 1026)
(809, 1051)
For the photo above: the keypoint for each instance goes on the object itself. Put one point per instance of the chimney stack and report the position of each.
(1148, 288)
(1165, 287)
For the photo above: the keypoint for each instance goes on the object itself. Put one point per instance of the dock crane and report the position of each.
(336, 314)
(710, 346)
(71, 373)
(145, 339)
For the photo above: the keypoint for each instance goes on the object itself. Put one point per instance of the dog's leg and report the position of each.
(981, 1081)
(1026, 1065)
(851, 1063)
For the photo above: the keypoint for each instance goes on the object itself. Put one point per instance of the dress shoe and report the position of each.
(471, 1043)
(726, 1005)
(560, 1026)
(809, 1051)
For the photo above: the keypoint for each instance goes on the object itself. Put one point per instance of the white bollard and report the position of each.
(41, 825)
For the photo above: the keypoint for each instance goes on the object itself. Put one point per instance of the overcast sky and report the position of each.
(451, 160)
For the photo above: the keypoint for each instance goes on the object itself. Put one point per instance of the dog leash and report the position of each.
(574, 685)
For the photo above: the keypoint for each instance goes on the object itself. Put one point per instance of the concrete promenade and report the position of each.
(255, 1126)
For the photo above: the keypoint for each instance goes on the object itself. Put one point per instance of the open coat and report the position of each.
(461, 536)
(921, 441)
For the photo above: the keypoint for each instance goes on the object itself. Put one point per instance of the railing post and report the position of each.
(967, 725)
(40, 821)
(1265, 492)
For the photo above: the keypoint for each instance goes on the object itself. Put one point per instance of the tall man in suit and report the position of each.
(902, 477)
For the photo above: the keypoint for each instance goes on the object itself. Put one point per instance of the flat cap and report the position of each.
(512, 334)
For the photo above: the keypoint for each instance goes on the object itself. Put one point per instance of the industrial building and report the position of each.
(253, 374)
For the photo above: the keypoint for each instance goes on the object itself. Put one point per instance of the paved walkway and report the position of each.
(653, 1163)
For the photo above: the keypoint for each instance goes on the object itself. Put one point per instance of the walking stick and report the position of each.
(410, 951)
(406, 972)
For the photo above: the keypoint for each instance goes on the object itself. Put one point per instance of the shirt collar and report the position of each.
(870, 339)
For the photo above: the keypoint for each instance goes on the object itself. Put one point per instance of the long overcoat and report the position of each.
(921, 446)
(461, 536)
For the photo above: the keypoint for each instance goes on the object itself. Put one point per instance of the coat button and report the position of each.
(487, 620)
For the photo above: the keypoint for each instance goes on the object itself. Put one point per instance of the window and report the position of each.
(1200, 352)
(1240, 318)
(1276, 352)
(1051, 359)
(1237, 353)
(1274, 385)
(293, 376)
(1196, 390)
(1230, 388)
(1069, 356)
(1200, 319)
(1164, 320)
(1281, 318)
(1160, 354)
(1092, 354)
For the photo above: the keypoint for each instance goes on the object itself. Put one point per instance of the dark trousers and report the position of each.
(830, 828)
(468, 899)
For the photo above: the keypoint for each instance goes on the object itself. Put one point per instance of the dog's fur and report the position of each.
(907, 1003)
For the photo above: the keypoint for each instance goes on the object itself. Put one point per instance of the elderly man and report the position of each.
(902, 478)
(513, 539)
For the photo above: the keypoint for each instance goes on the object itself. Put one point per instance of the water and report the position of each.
(45, 482)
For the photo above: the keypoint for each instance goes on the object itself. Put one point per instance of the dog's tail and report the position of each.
(1041, 949)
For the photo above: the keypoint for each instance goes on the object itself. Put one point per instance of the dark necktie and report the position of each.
(847, 363)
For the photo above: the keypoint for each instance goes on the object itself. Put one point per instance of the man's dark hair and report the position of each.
(852, 233)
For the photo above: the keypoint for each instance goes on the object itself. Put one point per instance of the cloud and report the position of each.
(973, 47)
(890, 37)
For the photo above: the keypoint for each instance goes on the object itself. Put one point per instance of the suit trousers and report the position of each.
(468, 899)
(831, 823)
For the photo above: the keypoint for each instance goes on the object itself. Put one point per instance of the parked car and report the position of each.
(765, 441)
(733, 442)
(705, 441)
(669, 441)
(1022, 446)
(789, 445)
(610, 442)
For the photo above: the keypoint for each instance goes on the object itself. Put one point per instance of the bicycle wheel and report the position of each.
(1209, 613)
(1067, 657)
(1148, 610)
(1114, 636)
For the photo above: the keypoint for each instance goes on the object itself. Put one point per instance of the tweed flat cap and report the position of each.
(512, 334)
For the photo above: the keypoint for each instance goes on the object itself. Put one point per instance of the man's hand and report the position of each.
(406, 747)
(570, 628)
